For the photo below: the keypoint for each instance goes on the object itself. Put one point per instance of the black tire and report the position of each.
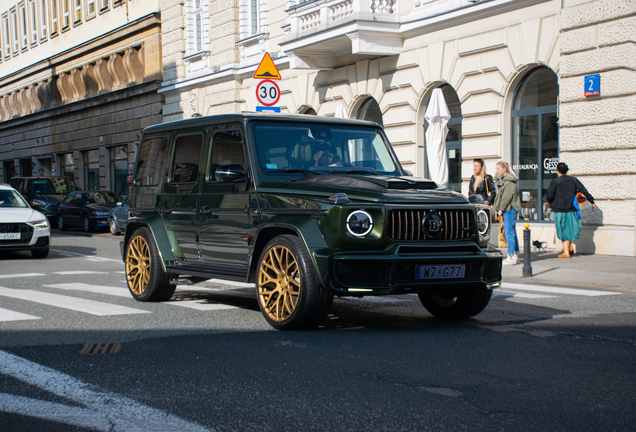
(61, 224)
(158, 287)
(40, 253)
(456, 305)
(114, 229)
(313, 302)
(86, 223)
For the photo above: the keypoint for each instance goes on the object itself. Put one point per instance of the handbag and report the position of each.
(501, 240)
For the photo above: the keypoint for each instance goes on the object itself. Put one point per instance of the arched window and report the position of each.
(370, 111)
(453, 139)
(535, 140)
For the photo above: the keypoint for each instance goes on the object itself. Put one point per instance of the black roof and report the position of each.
(299, 118)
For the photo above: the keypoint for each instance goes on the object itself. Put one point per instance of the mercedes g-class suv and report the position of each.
(305, 208)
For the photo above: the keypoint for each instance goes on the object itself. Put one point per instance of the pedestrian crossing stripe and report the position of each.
(557, 290)
(9, 315)
(267, 69)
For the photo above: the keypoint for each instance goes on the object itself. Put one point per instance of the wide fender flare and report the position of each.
(165, 247)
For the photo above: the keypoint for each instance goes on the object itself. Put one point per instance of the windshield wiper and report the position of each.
(356, 171)
(296, 170)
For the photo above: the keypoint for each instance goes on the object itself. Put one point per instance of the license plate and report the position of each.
(10, 236)
(442, 271)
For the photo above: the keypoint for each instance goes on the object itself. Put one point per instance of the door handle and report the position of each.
(167, 210)
(206, 210)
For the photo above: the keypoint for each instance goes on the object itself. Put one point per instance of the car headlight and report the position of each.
(359, 223)
(483, 221)
(40, 224)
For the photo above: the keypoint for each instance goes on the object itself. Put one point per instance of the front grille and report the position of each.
(405, 272)
(407, 224)
(363, 273)
(26, 232)
(493, 270)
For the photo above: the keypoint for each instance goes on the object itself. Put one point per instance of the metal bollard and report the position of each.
(527, 252)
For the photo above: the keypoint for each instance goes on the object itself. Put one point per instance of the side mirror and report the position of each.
(230, 174)
(118, 204)
(408, 173)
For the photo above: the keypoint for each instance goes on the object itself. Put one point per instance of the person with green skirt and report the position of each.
(561, 195)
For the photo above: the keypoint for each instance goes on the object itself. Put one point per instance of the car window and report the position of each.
(327, 148)
(187, 156)
(227, 149)
(151, 162)
(56, 186)
(101, 198)
(9, 198)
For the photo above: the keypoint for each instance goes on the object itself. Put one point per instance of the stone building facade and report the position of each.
(76, 90)
(511, 72)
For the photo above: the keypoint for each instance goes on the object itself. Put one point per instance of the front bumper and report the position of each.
(35, 243)
(99, 221)
(392, 271)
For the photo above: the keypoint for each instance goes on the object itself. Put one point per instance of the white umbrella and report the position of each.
(437, 116)
(341, 112)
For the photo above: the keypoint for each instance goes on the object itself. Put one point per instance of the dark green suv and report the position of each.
(305, 208)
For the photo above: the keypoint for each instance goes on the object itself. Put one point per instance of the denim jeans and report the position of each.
(510, 229)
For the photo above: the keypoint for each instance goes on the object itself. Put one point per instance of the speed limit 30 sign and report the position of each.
(267, 92)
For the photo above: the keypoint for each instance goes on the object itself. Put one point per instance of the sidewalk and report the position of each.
(587, 271)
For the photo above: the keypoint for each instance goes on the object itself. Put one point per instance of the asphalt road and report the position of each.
(538, 358)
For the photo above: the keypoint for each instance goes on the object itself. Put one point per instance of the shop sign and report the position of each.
(550, 165)
(526, 167)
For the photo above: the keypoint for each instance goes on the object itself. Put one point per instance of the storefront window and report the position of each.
(535, 141)
(370, 111)
(453, 139)
(26, 167)
(91, 170)
(68, 166)
(119, 170)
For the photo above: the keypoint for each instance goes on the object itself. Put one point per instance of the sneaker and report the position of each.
(508, 261)
(515, 260)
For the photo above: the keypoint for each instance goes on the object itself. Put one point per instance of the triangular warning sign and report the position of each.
(267, 69)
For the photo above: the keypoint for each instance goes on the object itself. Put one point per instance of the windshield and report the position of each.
(101, 198)
(9, 198)
(55, 186)
(325, 149)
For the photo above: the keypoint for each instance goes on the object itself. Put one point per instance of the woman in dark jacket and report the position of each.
(481, 183)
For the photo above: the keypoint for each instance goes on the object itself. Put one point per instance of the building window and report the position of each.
(535, 141)
(90, 7)
(453, 139)
(119, 170)
(34, 21)
(26, 167)
(7, 39)
(370, 111)
(68, 166)
(78, 11)
(43, 14)
(91, 170)
(24, 33)
(16, 37)
(66, 14)
(54, 17)
(255, 16)
(198, 26)
(8, 171)
(103, 5)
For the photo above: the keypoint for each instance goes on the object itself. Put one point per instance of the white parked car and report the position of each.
(21, 227)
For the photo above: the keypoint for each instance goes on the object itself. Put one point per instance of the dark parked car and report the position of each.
(118, 217)
(44, 194)
(305, 208)
(87, 210)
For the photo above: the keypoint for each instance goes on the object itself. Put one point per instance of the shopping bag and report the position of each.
(502, 242)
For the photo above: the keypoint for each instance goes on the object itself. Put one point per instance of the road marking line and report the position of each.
(79, 272)
(73, 303)
(557, 290)
(9, 315)
(99, 289)
(200, 305)
(521, 295)
(20, 275)
(122, 413)
(90, 257)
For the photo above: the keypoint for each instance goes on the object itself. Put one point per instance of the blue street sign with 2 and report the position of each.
(268, 109)
(592, 85)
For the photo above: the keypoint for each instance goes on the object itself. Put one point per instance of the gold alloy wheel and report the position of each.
(279, 283)
(138, 265)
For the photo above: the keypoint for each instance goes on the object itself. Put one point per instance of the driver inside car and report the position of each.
(324, 156)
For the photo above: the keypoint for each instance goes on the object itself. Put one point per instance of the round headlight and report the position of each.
(359, 223)
(483, 222)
